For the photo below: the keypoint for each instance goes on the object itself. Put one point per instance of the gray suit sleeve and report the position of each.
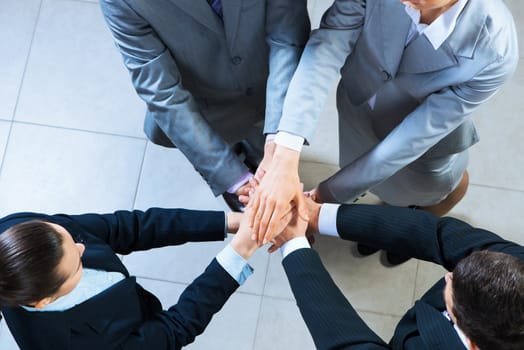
(319, 66)
(287, 30)
(418, 132)
(157, 80)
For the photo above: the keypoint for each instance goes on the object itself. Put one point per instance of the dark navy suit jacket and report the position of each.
(126, 316)
(334, 323)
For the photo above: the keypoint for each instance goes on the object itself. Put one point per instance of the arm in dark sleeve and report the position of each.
(180, 324)
(330, 318)
(128, 231)
(418, 234)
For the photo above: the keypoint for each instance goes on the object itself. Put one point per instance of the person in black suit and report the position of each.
(62, 286)
(479, 304)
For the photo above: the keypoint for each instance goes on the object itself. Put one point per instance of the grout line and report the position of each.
(22, 78)
(140, 174)
(415, 284)
(497, 188)
(188, 283)
(85, 1)
(80, 130)
(262, 296)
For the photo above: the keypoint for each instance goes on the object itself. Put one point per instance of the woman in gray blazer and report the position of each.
(412, 74)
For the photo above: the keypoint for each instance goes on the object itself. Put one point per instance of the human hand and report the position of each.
(296, 228)
(269, 151)
(233, 220)
(245, 191)
(313, 212)
(242, 242)
(279, 187)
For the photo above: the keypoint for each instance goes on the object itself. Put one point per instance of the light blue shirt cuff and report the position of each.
(290, 141)
(327, 219)
(294, 244)
(235, 265)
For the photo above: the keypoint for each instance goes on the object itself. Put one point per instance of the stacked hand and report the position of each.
(278, 189)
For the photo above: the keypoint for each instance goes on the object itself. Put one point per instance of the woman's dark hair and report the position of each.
(488, 297)
(29, 255)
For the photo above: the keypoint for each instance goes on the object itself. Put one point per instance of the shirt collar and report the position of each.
(441, 28)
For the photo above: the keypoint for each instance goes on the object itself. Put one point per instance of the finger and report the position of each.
(243, 199)
(244, 190)
(260, 217)
(274, 221)
(259, 175)
(254, 205)
(263, 235)
(272, 249)
(253, 181)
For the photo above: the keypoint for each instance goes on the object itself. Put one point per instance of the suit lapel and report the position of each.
(393, 24)
(435, 330)
(470, 24)
(231, 11)
(201, 12)
(420, 57)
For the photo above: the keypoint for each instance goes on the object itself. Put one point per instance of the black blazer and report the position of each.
(126, 316)
(332, 321)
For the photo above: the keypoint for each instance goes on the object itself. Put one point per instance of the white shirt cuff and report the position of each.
(235, 265)
(327, 219)
(270, 137)
(294, 244)
(288, 140)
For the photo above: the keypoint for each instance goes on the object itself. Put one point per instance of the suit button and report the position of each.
(236, 60)
(249, 92)
(386, 76)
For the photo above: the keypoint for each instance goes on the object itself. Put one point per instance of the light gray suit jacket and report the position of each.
(204, 80)
(424, 96)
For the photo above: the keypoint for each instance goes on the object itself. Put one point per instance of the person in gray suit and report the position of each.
(412, 74)
(210, 72)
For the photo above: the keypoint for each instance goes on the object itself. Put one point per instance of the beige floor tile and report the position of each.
(498, 160)
(75, 77)
(280, 327)
(169, 180)
(17, 22)
(497, 210)
(517, 10)
(364, 281)
(382, 324)
(55, 170)
(427, 275)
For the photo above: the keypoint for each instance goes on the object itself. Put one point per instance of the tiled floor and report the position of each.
(71, 141)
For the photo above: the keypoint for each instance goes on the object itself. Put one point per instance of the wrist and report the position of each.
(233, 221)
(286, 156)
(244, 245)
